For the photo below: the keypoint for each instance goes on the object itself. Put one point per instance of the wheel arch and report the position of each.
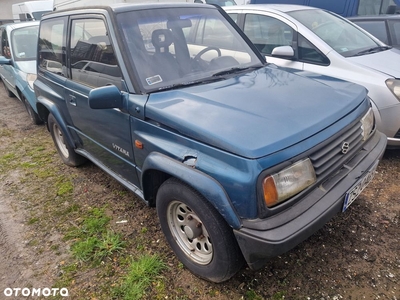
(158, 167)
(46, 107)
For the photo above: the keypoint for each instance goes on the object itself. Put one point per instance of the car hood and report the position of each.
(28, 66)
(258, 113)
(387, 62)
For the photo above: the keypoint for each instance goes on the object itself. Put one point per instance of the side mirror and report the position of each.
(105, 97)
(5, 61)
(283, 51)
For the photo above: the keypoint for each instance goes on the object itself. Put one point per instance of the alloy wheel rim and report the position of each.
(60, 141)
(189, 233)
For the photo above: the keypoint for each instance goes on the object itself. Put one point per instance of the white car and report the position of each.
(315, 40)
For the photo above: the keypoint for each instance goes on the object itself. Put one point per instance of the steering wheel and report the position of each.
(198, 55)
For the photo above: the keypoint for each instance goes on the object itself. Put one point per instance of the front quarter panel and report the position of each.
(236, 176)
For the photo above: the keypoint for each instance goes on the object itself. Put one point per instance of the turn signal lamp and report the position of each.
(288, 182)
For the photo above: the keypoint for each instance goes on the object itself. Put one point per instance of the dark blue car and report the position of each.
(243, 160)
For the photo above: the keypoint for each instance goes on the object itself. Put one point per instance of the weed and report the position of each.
(84, 250)
(64, 187)
(33, 220)
(110, 243)
(252, 295)
(141, 274)
(278, 296)
(94, 241)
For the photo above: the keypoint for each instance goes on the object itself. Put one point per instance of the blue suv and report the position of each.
(243, 160)
(18, 46)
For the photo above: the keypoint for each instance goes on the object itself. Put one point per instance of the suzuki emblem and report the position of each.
(345, 147)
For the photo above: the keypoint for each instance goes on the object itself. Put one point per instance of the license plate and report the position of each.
(356, 189)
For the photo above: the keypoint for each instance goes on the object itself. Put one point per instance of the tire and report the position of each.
(197, 233)
(65, 150)
(36, 120)
(8, 92)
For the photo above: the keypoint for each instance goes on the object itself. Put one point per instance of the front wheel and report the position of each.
(36, 120)
(8, 92)
(197, 233)
(64, 149)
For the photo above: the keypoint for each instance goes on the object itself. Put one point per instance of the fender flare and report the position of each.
(203, 183)
(22, 90)
(53, 109)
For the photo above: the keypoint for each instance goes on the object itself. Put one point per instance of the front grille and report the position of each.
(325, 158)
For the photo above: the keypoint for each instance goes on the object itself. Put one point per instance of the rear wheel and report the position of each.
(197, 233)
(32, 114)
(65, 150)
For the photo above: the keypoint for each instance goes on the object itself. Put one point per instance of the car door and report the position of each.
(267, 31)
(7, 71)
(105, 133)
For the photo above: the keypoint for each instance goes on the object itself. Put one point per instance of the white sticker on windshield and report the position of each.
(154, 79)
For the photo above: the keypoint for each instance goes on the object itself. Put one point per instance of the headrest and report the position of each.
(161, 38)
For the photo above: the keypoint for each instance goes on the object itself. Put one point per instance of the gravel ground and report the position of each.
(355, 256)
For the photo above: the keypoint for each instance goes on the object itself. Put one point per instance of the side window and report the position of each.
(209, 34)
(5, 51)
(394, 27)
(52, 49)
(92, 55)
(266, 32)
(308, 53)
(376, 28)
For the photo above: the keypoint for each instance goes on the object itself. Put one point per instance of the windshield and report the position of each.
(340, 34)
(24, 43)
(175, 46)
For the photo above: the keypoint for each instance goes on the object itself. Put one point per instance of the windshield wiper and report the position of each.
(373, 50)
(187, 84)
(234, 70)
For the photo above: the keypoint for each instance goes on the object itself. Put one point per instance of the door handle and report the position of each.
(72, 100)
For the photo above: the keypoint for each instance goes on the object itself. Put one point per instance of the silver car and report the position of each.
(311, 39)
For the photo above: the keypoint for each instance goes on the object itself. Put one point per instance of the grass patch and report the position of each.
(95, 249)
(64, 187)
(97, 253)
(142, 273)
(33, 220)
(94, 241)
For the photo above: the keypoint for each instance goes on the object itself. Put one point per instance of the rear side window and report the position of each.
(52, 46)
(93, 61)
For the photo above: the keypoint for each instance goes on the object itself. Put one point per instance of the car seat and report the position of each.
(165, 63)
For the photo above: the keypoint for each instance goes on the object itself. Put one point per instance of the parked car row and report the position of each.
(242, 159)
(315, 40)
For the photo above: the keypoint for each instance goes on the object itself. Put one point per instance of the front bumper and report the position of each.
(261, 242)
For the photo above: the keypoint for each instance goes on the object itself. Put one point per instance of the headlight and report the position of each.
(30, 78)
(288, 182)
(394, 87)
(367, 124)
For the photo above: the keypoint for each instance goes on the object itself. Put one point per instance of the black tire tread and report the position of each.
(232, 259)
